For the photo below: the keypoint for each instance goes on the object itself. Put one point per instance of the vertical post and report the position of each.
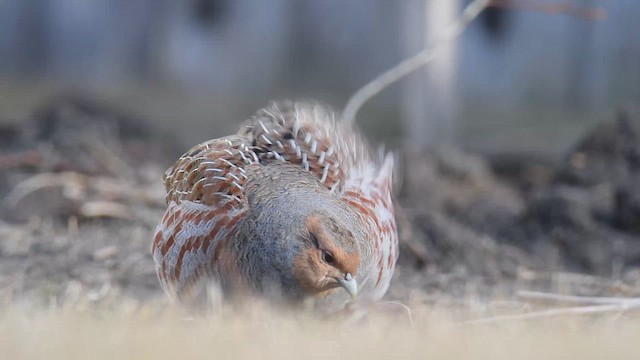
(429, 99)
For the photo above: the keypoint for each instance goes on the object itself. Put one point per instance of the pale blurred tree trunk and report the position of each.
(429, 98)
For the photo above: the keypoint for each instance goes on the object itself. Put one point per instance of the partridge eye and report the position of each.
(327, 257)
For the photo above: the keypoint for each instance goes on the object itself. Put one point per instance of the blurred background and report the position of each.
(519, 145)
(529, 77)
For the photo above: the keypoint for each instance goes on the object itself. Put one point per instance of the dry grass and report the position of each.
(144, 332)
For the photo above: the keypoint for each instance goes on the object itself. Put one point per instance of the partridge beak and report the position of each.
(350, 284)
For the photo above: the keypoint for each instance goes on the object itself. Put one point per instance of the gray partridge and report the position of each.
(295, 206)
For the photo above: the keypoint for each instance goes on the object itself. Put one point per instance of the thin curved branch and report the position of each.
(413, 63)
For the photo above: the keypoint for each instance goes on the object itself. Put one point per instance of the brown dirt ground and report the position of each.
(80, 196)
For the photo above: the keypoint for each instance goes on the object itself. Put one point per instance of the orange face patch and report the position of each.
(313, 273)
(334, 239)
